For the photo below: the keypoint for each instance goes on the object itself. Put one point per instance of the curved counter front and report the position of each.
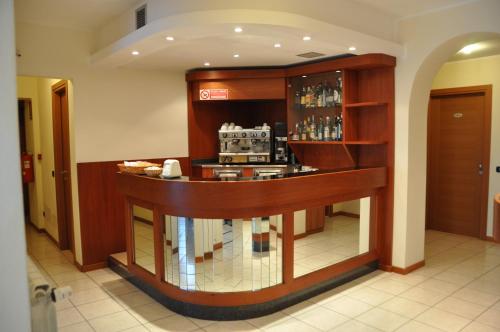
(220, 249)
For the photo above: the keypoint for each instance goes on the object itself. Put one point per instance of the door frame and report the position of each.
(65, 224)
(485, 179)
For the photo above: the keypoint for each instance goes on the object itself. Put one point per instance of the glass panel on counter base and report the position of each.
(325, 236)
(142, 227)
(222, 255)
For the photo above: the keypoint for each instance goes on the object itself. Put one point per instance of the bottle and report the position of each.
(312, 131)
(323, 94)
(339, 83)
(339, 128)
(334, 129)
(295, 135)
(305, 130)
(319, 95)
(329, 96)
(326, 130)
(337, 92)
(308, 97)
(297, 100)
(313, 98)
(321, 129)
(303, 97)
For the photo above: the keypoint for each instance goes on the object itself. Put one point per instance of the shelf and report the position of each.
(365, 142)
(318, 109)
(366, 104)
(315, 142)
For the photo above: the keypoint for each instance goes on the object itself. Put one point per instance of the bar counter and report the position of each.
(234, 249)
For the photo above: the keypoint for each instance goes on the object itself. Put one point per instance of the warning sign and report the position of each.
(214, 94)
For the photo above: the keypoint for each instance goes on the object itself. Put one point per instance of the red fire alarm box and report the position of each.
(27, 168)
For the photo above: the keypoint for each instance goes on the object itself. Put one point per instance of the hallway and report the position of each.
(457, 290)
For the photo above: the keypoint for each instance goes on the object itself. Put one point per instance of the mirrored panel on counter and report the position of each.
(328, 235)
(142, 230)
(222, 255)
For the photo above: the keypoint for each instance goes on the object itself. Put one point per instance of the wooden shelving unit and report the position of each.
(366, 104)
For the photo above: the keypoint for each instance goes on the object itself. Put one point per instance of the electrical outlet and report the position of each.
(498, 169)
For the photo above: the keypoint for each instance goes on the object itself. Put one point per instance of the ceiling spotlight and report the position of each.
(170, 38)
(135, 52)
(277, 45)
(304, 76)
(352, 48)
(338, 71)
(238, 29)
(306, 38)
(206, 64)
(469, 49)
(236, 55)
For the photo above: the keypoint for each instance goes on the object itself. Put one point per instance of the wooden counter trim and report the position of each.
(496, 218)
(233, 299)
(246, 199)
(228, 74)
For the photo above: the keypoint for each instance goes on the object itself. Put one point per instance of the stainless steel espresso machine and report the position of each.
(241, 146)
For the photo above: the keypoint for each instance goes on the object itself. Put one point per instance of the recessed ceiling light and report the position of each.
(304, 76)
(238, 29)
(338, 71)
(135, 52)
(170, 38)
(469, 49)
(236, 55)
(306, 38)
(352, 48)
(206, 64)
(277, 45)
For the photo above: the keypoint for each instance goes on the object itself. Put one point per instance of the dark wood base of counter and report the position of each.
(242, 311)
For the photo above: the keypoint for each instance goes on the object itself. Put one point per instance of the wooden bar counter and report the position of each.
(225, 249)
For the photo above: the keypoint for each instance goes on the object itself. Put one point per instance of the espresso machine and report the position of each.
(280, 143)
(242, 146)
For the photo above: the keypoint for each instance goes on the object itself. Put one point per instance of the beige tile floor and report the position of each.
(458, 290)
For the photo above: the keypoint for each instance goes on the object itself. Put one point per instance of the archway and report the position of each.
(414, 80)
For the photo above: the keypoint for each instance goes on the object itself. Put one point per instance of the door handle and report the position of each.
(480, 168)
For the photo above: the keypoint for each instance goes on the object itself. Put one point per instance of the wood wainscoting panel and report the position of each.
(102, 210)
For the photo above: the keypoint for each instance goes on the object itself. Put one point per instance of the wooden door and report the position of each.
(62, 165)
(458, 160)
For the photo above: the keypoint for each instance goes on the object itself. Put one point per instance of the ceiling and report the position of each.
(408, 8)
(484, 48)
(76, 14)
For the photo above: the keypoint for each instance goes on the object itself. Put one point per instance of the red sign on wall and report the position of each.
(214, 94)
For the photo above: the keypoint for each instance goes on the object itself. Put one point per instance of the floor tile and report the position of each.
(424, 296)
(134, 299)
(322, 318)
(68, 317)
(439, 286)
(172, 323)
(355, 326)
(291, 324)
(150, 312)
(477, 297)
(411, 278)
(371, 296)
(88, 296)
(404, 307)
(382, 319)
(414, 326)
(390, 286)
(299, 308)
(78, 327)
(462, 308)
(235, 326)
(348, 306)
(478, 327)
(491, 318)
(99, 308)
(114, 322)
(268, 320)
(442, 320)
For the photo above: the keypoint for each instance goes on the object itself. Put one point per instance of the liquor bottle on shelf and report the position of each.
(323, 94)
(297, 100)
(326, 130)
(312, 131)
(337, 91)
(307, 129)
(303, 97)
(339, 129)
(329, 96)
(308, 97)
(313, 98)
(319, 95)
(334, 133)
(321, 128)
(296, 135)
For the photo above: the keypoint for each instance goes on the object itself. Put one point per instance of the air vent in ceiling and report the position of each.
(310, 55)
(140, 17)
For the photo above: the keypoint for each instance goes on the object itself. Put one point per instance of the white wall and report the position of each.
(471, 72)
(14, 302)
(117, 113)
(429, 42)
